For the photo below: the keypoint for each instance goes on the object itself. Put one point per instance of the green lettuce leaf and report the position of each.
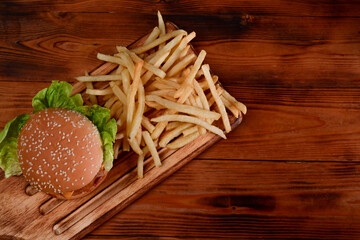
(8, 145)
(56, 96)
(101, 118)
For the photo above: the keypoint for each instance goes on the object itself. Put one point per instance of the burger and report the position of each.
(62, 148)
(60, 152)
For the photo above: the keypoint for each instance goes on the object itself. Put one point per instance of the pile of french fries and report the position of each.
(162, 95)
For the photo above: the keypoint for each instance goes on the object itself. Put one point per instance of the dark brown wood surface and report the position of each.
(291, 170)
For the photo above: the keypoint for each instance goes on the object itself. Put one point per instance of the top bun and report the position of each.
(59, 151)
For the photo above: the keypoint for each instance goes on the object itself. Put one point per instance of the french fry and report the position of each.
(89, 85)
(147, 124)
(110, 101)
(218, 101)
(126, 146)
(183, 118)
(170, 82)
(153, 35)
(116, 149)
(118, 93)
(120, 122)
(131, 96)
(138, 136)
(150, 56)
(186, 93)
(192, 74)
(184, 73)
(140, 165)
(128, 63)
(162, 93)
(185, 51)
(167, 48)
(160, 126)
(92, 98)
(191, 130)
(211, 98)
(176, 54)
(154, 105)
(201, 95)
(198, 102)
(192, 100)
(232, 108)
(172, 125)
(157, 71)
(183, 108)
(176, 131)
(99, 92)
(161, 27)
(158, 41)
(199, 74)
(125, 75)
(115, 108)
(162, 86)
(98, 78)
(112, 59)
(204, 85)
(183, 140)
(180, 65)
(136, 123)
(151, 145)
(135, 146)
(119, 135)
(148, 75)
(239, 105)
(119, 111)
(119, 70)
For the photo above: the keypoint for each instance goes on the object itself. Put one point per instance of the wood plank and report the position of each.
(326, 98)
(82, 27)
(283, 64)
(242, 199)
(287, 118)
(324, 8)
(274, 132)
(14, 188)
(279, 64)
(290, 96)
(290, 48)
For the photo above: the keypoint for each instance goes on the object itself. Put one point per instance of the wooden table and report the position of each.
(291, 170)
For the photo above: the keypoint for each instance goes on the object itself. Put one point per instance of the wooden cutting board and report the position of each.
(27, 214)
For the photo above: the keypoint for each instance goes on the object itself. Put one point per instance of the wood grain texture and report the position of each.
(324, 8)
(242, 199)
(289, 171)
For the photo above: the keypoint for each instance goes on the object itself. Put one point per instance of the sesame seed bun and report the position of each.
(60, 153)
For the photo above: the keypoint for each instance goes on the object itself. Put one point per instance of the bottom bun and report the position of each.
(98, 179)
